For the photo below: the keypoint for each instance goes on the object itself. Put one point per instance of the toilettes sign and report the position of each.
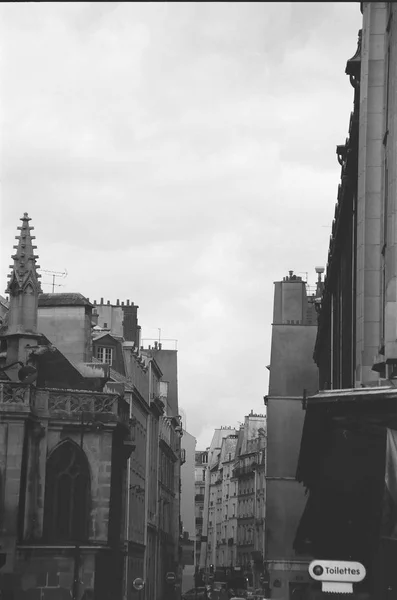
(337, 576)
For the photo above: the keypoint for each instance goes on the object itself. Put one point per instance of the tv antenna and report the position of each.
(54, 274)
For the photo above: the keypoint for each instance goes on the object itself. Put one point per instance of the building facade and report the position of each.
(65, 443)
(350, 426)
(249, 473)
(214, 496)
(82, 405)
(293, 375)
(188, 506)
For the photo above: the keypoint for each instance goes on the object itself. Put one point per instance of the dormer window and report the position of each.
(105, 354)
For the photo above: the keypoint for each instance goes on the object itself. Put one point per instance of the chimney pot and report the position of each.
(122, 304)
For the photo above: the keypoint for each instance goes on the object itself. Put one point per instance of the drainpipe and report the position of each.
(159, 512)
(265, 513)
(332, 343)
(127, 520)
(147, 483)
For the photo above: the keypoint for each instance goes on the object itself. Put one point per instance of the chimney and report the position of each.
(101, 300)
(128, 302)
(160, 346)
(108, 302)
(155, 345)
(117, 302)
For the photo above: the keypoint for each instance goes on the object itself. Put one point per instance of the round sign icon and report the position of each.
(170, 577)
(337, 570)
(138, 584)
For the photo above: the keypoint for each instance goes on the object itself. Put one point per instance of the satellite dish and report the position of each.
(27, 374)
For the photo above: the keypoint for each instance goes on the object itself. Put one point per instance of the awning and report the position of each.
(346, 446)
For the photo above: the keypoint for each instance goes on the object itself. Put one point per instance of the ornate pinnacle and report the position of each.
(24, 269)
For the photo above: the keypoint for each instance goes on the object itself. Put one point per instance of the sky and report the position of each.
(181, 155)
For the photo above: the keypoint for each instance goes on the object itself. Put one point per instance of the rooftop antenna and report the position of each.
(54, 274)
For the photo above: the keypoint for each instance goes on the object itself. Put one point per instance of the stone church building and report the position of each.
(65, 441)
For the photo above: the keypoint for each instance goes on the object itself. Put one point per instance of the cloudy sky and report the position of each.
(181, 155)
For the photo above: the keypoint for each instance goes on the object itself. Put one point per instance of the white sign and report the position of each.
(337, 575)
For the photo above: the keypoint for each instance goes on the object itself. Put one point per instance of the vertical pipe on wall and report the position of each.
(332, 344)
(127, 520)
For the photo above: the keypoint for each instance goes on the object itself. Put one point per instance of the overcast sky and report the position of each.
(181, 155)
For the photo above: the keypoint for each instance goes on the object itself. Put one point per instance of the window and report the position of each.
(67, 492)
(104, 354)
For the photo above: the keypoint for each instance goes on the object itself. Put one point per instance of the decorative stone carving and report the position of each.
(14, 394)
(76, 403)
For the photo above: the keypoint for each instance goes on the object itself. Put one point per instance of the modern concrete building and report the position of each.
(293, 374)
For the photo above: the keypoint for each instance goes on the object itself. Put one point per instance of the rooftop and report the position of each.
(66, 299)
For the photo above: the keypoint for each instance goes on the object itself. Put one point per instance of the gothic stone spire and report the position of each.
(24, 286)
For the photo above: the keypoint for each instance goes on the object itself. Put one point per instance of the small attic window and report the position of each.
(104, 354)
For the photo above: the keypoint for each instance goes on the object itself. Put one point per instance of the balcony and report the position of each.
(230, 541)
(243, 471)
(199, 520)
(199, 498)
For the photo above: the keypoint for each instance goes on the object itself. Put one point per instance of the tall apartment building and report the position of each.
(346, 458)
(234, 502)
(249, 472)
(188, 510)
(200, 470)
(214, 498)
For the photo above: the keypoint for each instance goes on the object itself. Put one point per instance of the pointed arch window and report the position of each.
(67, 494)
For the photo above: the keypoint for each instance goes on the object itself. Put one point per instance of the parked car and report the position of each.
(194, 594)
